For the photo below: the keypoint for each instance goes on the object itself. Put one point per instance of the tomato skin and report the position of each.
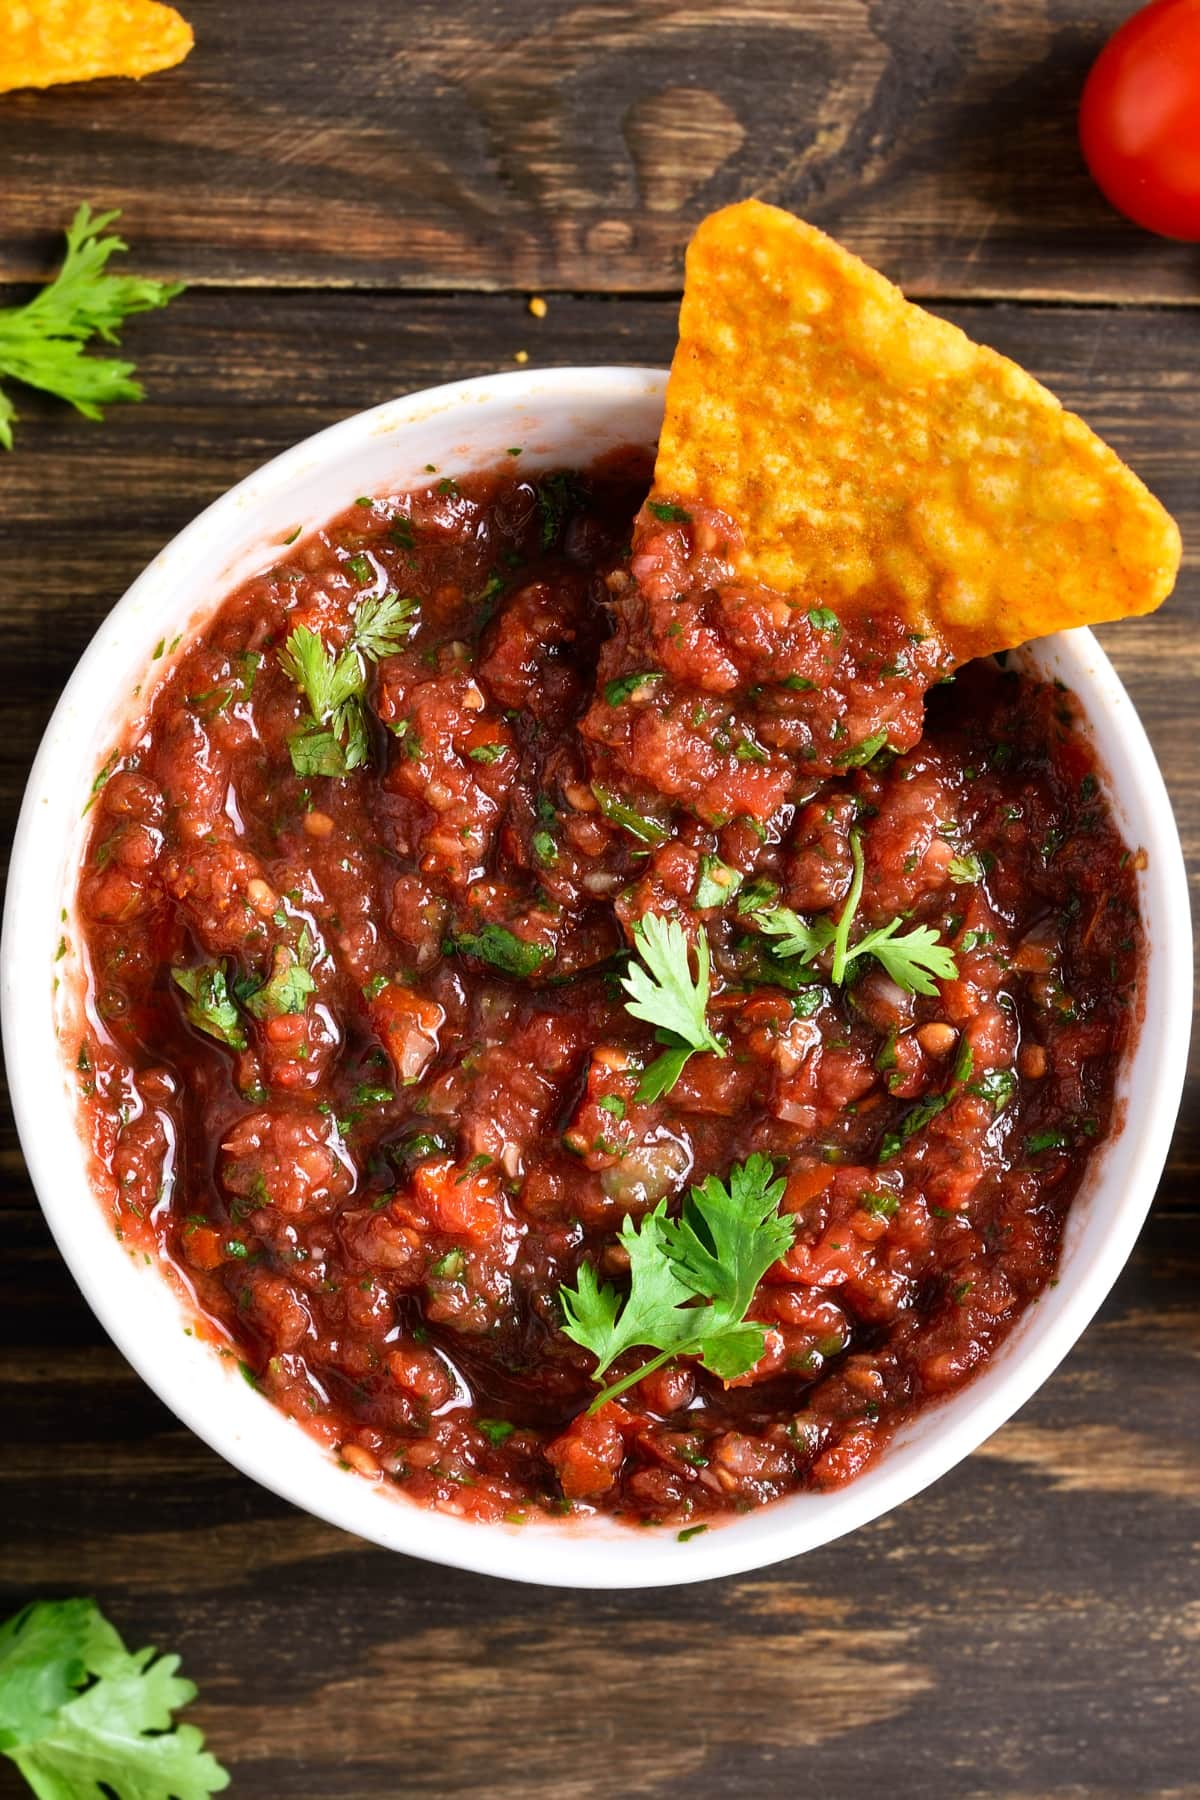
(1139, 119)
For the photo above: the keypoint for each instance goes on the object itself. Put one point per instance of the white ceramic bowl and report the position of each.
(560, 416)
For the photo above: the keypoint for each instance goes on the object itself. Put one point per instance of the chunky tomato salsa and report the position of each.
(590, 1033)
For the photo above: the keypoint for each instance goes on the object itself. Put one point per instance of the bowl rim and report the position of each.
(571, 1553)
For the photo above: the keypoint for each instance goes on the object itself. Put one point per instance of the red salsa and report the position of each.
(359, 903)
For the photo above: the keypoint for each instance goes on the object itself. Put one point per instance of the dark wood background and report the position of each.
(362, 198)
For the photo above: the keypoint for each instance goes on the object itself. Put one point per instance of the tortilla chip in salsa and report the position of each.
(45, 42)
(878, 460)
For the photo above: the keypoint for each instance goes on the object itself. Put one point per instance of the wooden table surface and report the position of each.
(361, 199)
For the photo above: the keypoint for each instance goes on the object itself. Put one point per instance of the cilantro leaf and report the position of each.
(717, 882)
(997, 1086)
(503, 949)
(73, 1741)
(665, 995)
(964, 871)
(1046, 1140)
(286, 988)
(915, 1119)
(798, 937)
(317, 752)
(335, 741)
(654, 1311)
(660, 1076)
(381, 626)
(43, 1660)
(647, 831)
(729, 1235)
(42, 342)
(911, 960)
(326, 681)
(758, 895)
(209, 1005)
(859, 755)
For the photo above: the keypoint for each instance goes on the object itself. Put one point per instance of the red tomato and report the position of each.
(1139, 120)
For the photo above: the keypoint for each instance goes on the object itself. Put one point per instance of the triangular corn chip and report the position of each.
(44, 42)
(876, 459)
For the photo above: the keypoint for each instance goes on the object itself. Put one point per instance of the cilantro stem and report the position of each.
(627, 1381)
(841, 936)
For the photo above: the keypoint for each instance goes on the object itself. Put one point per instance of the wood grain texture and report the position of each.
(363, 195)
(572, 146)
(1027, 1629)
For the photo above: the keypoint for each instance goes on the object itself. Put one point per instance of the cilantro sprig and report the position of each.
(334, 740)
(691, 1280)
(80, 1714)
(912, 958)
(665, 994)
(42, 343)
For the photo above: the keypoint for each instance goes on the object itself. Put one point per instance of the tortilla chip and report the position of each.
(44, 42)
(877, 459)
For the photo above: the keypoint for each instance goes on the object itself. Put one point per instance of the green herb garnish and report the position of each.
(996, 1086)
(665, 995)
(209, 1005)
(728, 1236)
(42, 343)
(964, 870)
(334, 741)
(914, 1120)
(80, 1715)
(717, 883)
(757, 895)
(648, 831)
(497, 945)
(912, 960)
(861, 754)
(624, 687)
(798, 938)
(1045, 1140)
(285, 990)
(495, 1430)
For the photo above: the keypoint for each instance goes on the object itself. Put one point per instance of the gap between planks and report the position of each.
(1035, 299)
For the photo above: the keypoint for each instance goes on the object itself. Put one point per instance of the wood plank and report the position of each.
(573, 146)
(1025, 1628)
